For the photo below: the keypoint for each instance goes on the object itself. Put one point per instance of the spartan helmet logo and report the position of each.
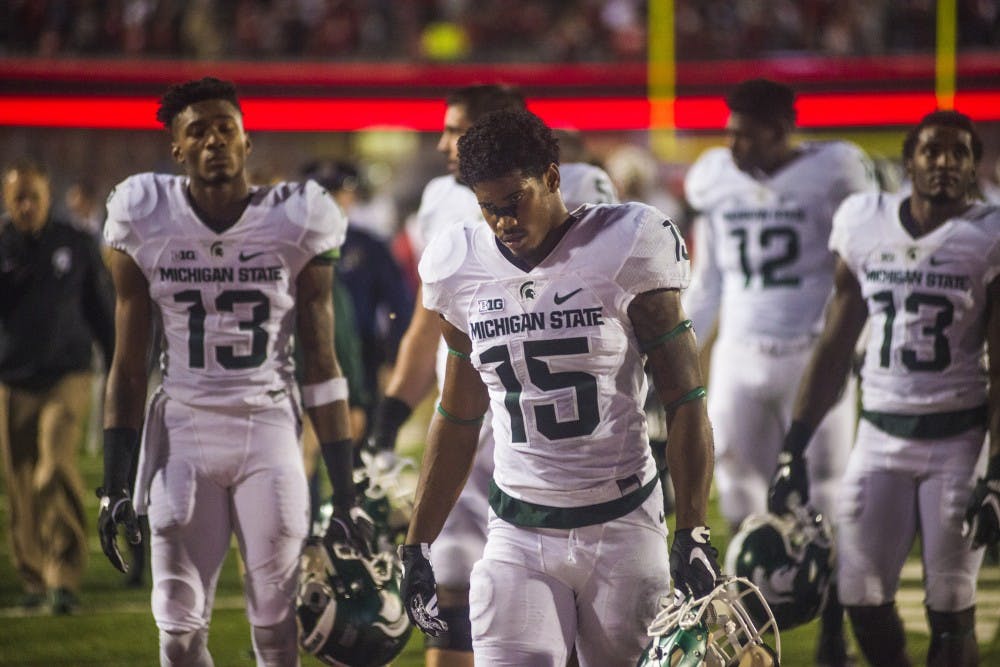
(216, 249)
(528, 290)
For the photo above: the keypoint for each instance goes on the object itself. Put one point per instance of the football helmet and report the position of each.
(347, 604)
(789, 558)
(715, 630)
(387, 484)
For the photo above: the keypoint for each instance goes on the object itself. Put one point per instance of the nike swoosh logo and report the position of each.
(699, 555)
(560, 299)
(244, 257)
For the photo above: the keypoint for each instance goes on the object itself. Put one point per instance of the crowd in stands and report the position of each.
(467, 31)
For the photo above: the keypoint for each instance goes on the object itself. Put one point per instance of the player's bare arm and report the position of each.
(413, 374)
(828, 369)
(123, 406)
(665, 335)
(451, 439)
(128, 376)
(675, 370)
(993, 352)
(314, 305)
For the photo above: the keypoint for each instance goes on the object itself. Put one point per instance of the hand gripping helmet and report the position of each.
(789, 558)
(348, 606)
(715, 630)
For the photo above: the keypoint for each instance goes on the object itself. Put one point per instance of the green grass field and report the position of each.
(114, 626)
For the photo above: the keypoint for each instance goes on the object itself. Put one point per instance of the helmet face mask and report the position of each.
(790, 559)
(388, 486)
(347, 605)
(715, 630)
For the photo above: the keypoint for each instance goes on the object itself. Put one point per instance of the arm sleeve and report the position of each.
(841, 234)
(658, 258)
(324, 224)
(438, 265)
(131, 200)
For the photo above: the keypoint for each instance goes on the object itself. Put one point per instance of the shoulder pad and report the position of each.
(584, 183)
(323, 209)
(134, 198)
(446, 252)
(705, 176)
(854, 215)
(861, 204)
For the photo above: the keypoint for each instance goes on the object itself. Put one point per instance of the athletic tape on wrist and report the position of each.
(321, 393)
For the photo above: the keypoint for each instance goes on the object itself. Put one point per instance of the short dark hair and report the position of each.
(180, 96)
(26, 165)
(502, 142)
(334, 175)
(763, 100)
(480, 99)
(941, 118)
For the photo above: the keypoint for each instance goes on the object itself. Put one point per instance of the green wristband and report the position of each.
(458, 420)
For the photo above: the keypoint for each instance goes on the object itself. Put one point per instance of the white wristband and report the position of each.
(321, 393)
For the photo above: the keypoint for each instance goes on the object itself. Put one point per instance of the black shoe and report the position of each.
(32, 601)
(63, 601)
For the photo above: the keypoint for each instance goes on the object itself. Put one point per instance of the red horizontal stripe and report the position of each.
(794, 70)
(592, 114)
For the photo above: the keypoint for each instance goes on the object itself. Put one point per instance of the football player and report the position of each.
(233, 272)
(922, 268)
(549, 316)
(446, 202)
(762, 275)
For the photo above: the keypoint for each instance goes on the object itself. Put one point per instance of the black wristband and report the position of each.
(120, 447)
(993, 467)
(339, 459)
(798, 436)
(389, 417)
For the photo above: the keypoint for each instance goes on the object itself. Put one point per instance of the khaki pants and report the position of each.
(39, 439)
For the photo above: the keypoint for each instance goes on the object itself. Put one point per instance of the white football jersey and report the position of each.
(226, 300)
(581, 183)
(556, 349)
(444, 202)
(926, 302)
(447, 202)
(761, 257)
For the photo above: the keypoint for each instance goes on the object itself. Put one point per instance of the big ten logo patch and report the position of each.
(490, 305)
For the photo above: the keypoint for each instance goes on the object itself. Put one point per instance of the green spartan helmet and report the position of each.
(790, 559)
(348, 606)
(685, 647)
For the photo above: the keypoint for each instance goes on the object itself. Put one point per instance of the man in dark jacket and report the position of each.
(55, 301)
